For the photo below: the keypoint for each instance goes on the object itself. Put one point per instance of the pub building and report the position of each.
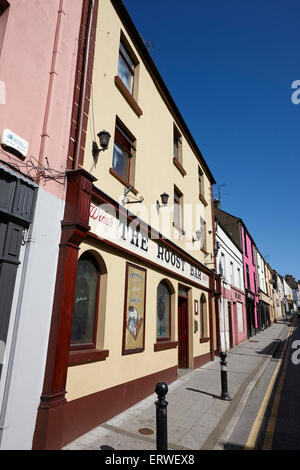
(137, 293)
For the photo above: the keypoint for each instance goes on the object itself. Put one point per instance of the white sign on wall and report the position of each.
(12, 141)
(109, 227)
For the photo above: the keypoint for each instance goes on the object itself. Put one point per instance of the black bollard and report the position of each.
(161, 390)
(224, 394)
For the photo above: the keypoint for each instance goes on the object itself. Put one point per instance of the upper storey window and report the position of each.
(126, 68)
(123, 155)
(177, 145)
(177, 150)
(128, 75)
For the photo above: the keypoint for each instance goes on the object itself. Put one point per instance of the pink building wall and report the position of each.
(39, 42)
(249, 257)
(38, 59)
(234, 295)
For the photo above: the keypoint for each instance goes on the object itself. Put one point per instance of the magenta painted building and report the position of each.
(38, 58)
(250, 277)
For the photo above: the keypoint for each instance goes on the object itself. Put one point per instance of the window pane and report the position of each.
(177, 215)
(202, 316)
(85, 303)
(121, 162)
(177, 209)
(202, 231)
(127, 57)
(125, 73)
(163, 311)
(200, 178)
(176, 149)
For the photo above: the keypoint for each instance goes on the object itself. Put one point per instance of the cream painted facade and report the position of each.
(270, 291)
(154, 173)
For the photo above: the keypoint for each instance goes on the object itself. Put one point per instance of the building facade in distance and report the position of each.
(233, 321)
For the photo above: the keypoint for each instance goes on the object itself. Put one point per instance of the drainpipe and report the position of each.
(86, 60)
(53, 73)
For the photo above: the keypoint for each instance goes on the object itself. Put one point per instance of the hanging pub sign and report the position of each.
(134, 312)
(108, 227)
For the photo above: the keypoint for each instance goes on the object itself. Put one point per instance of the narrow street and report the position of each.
(271, 418)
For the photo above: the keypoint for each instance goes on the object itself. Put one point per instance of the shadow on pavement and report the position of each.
(201, 391)
(233, 446)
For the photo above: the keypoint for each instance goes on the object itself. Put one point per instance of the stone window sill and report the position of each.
(85, 356)
(128, 97)
(204, 340)
(162, 345)
(179, 166)
(203, 200)
(121, 180)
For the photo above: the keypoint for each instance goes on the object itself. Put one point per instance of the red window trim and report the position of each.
(179, 166)
(121, 180)
(128, 96)
(163, 345)
(204, 339)
(126, 142)
(86, 356)
(203, 200)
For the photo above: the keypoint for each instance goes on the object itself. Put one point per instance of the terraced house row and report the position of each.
(117, 267)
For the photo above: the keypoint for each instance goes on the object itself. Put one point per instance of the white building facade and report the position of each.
(233, 324)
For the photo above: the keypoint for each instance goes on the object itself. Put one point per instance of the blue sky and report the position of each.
(229, 67)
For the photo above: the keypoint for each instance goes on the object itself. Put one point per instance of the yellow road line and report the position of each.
(273, 416)
(261, 413)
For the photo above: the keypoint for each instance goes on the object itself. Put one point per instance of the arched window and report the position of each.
(85, 303)
(163, 319)
(203, 319)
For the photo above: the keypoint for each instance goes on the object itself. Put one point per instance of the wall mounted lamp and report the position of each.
(164, 200)
(198, 236)
(104, 138)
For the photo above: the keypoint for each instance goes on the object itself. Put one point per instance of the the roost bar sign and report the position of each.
(108, 227)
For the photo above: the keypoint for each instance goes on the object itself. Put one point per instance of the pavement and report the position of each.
(198, 419)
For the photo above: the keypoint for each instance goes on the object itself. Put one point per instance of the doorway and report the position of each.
(182, 332)
(231, 328)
